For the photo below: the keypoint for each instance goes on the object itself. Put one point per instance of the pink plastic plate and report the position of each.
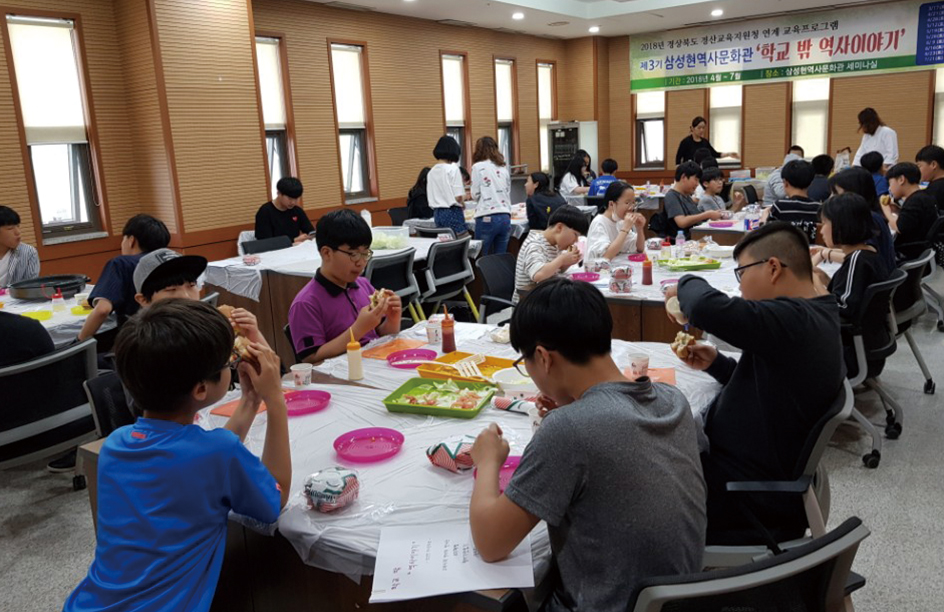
(720, 223)
(369, 444)
(402, 359)
(587, 277)
(298, 403)
(637, 257)
(506, 472)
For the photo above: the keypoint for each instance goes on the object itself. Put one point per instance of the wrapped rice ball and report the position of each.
(331, 488)
(453, 454)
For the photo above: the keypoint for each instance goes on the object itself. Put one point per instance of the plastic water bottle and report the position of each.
(365, 215)
(679, 243)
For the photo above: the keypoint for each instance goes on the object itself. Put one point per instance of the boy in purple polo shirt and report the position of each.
(338, 298)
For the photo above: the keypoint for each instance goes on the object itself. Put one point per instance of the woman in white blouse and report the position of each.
(491, 190)
(575, 180)
(617, 231)
(876, 136)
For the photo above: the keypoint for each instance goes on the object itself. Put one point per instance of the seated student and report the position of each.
(165, 485)
(875, 164)
(847, 225)
(283, 216)
(712, 182)
(599, 184)
(797, 208)
(575, 180)
(445, 187)
(23, 339)
(542, 200)
(680, 210)
(337, 301)
(546, 254)
(858, 180)
(417, 204)
(789, 373)
(618, 230)
(18, 260)
(918, 210)
(930, 160)
(822, 168)
(705, 160)
(613, 469)
(773, 190)
(114, 291)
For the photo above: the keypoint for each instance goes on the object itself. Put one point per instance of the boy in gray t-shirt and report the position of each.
(613, 468)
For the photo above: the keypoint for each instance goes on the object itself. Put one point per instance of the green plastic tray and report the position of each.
(457, 413)
(687, 264)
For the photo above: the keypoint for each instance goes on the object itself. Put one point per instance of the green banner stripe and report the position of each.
(761, 74)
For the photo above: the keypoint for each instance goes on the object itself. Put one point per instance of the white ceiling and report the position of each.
(614, 17)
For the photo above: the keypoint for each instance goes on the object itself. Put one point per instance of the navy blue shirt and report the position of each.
(164, 493)
(116, 284)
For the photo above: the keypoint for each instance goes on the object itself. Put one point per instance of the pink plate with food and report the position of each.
(506, 472)
(369, 444)
(587, 277)
(637, 257)
(303, 402)
(410, 359)
(720, 223)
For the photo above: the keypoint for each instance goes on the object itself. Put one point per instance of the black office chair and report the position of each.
(498, 277)
(275, 243)
(110, 409)
(447, 273)
(936, 241)
(750, 194)
(599, 202)
(433, 232)
(909, 305)
(288, 336)
(213, 299)
(815, 577)
(398, 215)
(395, 272)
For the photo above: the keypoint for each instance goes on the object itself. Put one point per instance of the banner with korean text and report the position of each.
(865, 39)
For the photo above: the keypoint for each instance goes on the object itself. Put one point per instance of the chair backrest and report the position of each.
(110, 409)
(244, 236)
(288, 336)
(909, 302)
(599, 202)
(448, 268)
(268, 244)
(394, 272)
(398, 215)
(750, 194)
(498, 274)
(433, 232)
(877, 307)
(213, 299)
(44, 409)
(811, 577)
(821, 433)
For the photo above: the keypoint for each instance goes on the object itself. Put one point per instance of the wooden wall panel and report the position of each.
(680, 108)
(766, 124)
(603, 101)
(902, 100)
(207, 54)
(577, 81)
(620, 103)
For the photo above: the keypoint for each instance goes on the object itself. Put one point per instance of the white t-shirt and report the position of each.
(491, 188)
(568, 184)
(603, 231)
(444, 185)
(5, 267)
(884, 140)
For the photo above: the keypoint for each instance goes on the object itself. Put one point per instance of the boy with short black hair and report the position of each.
(18, 261)
(918, 209)
(599, 184)
(114, 291)
(930, 160)
(165, 485)
(797, 208)
(680, 209)
(613, 468)
(822, 168)
(283, 216)
(712, 182)
(548, 253)
(338, 300)
(875, 164)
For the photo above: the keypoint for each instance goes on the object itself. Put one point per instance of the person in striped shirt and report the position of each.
(797, 208)
(549, 253)
(18, 260)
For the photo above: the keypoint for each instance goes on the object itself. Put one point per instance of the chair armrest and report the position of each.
(772, 486)
(497, 300)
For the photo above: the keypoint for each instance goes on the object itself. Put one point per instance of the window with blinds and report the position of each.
(348, 82)
(811, 115)
(272, 93)
(547, 107)
(453, 83)
(650, 129)
(725, 119)
(52, 104)
(505, 107)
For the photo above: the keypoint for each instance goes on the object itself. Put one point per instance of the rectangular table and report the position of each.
(63, 326)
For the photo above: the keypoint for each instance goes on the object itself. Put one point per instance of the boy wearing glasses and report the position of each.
(337, 300)
(789, 373)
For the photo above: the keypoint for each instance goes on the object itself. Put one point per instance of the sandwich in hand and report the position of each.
(241, 343)
(681, 344)
(375, 298)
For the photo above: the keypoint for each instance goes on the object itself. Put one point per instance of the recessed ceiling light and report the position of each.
(408, 0)
(594, 29)
(717, 13)
(518, 16)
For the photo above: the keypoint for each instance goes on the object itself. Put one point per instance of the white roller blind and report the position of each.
(545, 93)
(270, 83)
(47, 77)
(811, 115)
(650, 105)
(811, 90)
(348, 88)
(728, 96)
(725, 104)
(504, 101)
(454, 90)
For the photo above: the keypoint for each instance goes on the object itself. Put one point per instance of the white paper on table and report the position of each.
(416, 561)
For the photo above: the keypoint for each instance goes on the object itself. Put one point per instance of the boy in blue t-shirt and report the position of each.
(165, 485)
(599, 184)
(875, 164)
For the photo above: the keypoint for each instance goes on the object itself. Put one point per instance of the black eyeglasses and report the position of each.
(519, 362)
(234, 360)
(740, 269)
(357, 256)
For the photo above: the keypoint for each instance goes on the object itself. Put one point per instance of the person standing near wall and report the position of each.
(876, 136)
(491, 190)
(695, 141)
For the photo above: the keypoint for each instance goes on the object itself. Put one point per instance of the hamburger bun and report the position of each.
(376, 297)
(681, 344)
(227, 311)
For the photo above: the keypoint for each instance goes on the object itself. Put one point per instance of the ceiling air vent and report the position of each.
(557, 24)
(350, 7)
(456, 22)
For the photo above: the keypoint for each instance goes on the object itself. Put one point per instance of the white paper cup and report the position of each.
(81, 299)
(434, 332)
(301, 372)
(639, 365)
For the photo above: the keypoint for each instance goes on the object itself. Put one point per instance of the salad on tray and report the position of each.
(442, 395)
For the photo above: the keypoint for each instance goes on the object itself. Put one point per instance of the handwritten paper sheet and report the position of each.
(425, 560)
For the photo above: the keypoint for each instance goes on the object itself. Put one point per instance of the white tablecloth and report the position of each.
(519, 226)
(64, 326)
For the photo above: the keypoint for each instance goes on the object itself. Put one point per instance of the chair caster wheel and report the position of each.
(871, 459)
(940, 326)
(78, 483)
(929, 387)
(893, 431)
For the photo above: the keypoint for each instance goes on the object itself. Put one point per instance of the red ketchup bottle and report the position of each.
(647, 271)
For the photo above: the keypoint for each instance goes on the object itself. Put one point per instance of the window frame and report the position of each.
(637, 135)
(99, 220)
(466, 129)
(514, 149)
(371, 191)
(554, 108)
(290, 142)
